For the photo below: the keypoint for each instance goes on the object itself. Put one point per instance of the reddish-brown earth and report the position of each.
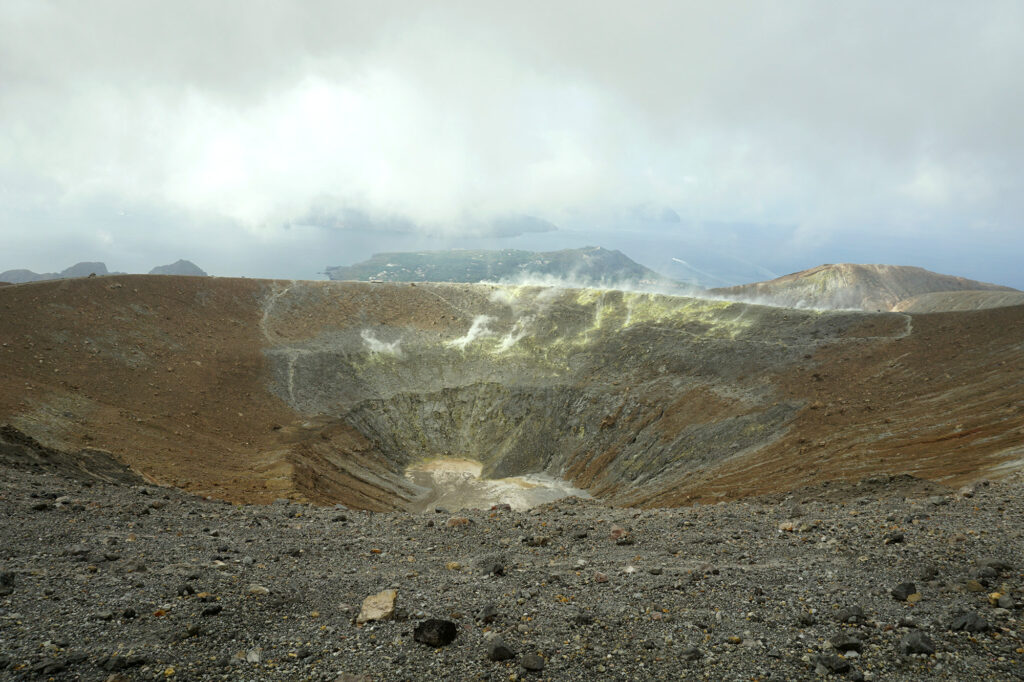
(874, 288)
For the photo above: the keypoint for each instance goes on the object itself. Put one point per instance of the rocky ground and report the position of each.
(105, 581)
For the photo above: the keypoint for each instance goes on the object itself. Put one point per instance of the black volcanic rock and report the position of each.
(436, 632)
(916, 642)
(970, 621)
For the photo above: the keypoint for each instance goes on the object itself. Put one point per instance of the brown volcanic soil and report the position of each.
(251, 390)
(944, 403)
(948, 301)
(873, 288)
(166, 372)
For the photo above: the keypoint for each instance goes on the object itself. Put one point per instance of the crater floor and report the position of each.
(453, 484)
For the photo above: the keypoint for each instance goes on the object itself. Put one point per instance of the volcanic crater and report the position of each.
(251, 390)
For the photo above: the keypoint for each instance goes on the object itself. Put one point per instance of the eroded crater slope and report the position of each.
(329, 391)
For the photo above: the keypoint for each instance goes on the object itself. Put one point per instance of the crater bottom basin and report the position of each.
(456, 483)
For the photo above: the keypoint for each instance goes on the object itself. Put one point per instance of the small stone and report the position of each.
(994, 563)
(600, 577)
(49, 666)
(893, 539)
(380, 606)
(974, 586)
(846, 643)
(490, 566)
(258, 590)
(435, 632)
(902, 591)
(212, 610)
(583, 618)
(488, 614)
(691, 653)
(806, 619)
(537, 541)
(1005, 602)
(498, 650)
(916, 642)
(970, 622)
(830, 663)
(983, 574)
(457, 521)
(851, 614)
(189, 632)
(533, 662)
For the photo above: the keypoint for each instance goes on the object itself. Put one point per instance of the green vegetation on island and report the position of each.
(586, 266)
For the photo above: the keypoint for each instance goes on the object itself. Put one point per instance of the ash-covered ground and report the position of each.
(888, 579)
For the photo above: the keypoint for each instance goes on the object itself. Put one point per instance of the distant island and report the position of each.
(83, 269)
(588, 266)
(179, 267)
(87, 268)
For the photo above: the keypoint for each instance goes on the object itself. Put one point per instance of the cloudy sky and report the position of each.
(744, 138)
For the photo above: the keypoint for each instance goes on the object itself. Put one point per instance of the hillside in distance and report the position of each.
(876, 288)
(251, 390)
(588, 266)
(83, 269)
(86, 268)
(179, 267)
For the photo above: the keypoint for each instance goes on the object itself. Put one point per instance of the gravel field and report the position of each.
(114, 582)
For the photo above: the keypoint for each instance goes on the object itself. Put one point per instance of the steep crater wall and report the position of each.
(580, 384)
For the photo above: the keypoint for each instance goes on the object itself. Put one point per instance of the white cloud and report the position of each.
(445, 116)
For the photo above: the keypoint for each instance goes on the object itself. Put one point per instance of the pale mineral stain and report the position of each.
(456, 483)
